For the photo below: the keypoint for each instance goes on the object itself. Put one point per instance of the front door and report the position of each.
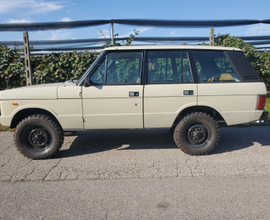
(114, 99)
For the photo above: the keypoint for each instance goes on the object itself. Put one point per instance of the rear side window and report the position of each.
(214, 66)
(169, 67)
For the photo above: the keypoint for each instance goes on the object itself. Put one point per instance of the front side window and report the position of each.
(214, 66)
(99, 75)
(119, 68)
(124, 68)
(99, 56)
(169, 67)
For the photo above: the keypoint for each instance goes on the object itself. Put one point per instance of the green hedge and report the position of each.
(57, 67)
(49, 68)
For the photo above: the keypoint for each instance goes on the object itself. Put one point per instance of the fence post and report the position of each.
(27, 60)
(212, 36)
(112, 33)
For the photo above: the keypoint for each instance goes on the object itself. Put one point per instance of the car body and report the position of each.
(143, 87)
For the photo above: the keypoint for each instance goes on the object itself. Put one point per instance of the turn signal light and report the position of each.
(261, 102)
(14, 103)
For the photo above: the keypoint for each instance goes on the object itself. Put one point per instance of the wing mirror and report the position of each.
(88, 82)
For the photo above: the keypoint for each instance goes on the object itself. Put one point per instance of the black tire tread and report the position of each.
(50, 121)
(184, 120)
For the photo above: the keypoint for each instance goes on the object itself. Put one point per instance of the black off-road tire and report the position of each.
(38, 137)
(197, 134)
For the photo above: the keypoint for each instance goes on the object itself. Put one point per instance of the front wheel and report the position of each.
(38, 137)
(197, 134)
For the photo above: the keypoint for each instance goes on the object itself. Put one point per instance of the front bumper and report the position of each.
(264, 115)
(6, 121)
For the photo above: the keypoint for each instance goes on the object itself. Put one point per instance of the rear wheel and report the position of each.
(38, 137)
(197, 134)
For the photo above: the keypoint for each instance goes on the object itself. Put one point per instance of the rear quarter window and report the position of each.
(242, 66)
(214, 66)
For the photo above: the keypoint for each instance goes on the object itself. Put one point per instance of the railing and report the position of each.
(257, 40)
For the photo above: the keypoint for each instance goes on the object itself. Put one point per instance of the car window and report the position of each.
(214, 66)
(99, 75)
(124, 68)
(90, 68)
(169, 67)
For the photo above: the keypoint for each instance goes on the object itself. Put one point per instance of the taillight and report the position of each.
(261, 102)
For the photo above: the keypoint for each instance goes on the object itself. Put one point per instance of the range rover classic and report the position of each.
(187, 90)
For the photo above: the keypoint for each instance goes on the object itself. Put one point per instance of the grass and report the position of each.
(267, 104)
(4, 128)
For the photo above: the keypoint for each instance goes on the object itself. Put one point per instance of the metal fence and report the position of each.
(261, 42)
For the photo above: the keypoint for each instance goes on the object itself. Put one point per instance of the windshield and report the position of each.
(89, 69)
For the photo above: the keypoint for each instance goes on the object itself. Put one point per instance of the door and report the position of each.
(170, 87)
(114, 99)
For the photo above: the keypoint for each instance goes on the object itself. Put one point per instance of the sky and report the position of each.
(31, 11)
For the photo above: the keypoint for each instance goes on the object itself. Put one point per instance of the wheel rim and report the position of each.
(198, 135)
(39, 139)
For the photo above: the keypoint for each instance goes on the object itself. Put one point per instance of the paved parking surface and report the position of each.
(138, 174)
(139, 154)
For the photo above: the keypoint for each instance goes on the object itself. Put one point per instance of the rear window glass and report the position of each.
(214, 66)
(243, 66)
(169, 67)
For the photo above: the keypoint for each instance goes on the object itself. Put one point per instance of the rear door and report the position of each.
(114, 100)
(170, 87)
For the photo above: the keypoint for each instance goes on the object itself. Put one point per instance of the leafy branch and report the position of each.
(128, 42)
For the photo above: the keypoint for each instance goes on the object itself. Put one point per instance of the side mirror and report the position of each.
(87, 82)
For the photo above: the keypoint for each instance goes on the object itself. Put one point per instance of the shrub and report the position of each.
(259, 60)
(12, 70)
(49, 68)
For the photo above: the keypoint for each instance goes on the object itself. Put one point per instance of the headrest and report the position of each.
(153, 67)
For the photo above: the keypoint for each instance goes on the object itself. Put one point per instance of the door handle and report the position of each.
(133, 93)
(188, 92)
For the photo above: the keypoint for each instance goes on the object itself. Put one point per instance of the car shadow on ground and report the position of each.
(232, 139)
(99, 141)
(237, 138)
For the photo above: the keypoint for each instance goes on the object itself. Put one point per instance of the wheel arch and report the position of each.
(31, 111)
(206, 109)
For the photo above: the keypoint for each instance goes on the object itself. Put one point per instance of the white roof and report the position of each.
(154, 47)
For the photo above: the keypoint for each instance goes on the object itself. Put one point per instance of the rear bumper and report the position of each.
(264, 115)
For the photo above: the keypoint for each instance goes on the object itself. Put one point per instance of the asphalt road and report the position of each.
(139, 175)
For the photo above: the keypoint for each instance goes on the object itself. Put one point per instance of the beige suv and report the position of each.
(184, 89)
